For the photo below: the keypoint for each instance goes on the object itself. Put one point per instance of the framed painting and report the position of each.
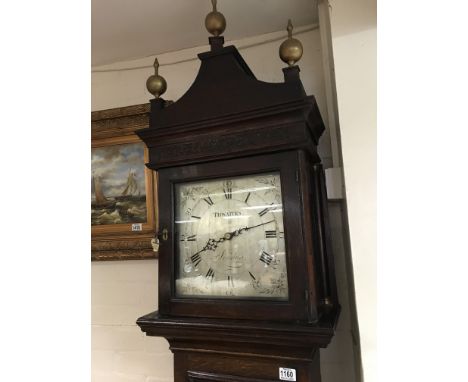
(123, 190)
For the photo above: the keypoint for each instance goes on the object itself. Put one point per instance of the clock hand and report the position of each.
(212, 244)
(258, 225)
(230, 235)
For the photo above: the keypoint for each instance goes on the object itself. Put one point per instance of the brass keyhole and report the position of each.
(165, 234)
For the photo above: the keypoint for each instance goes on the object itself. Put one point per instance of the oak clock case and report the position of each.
(246, 278)
(235, 238)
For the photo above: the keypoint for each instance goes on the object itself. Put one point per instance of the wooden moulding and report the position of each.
(214, 140)
(117, 241)
(273, 334)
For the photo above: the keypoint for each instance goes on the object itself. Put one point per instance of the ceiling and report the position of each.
(128, 29)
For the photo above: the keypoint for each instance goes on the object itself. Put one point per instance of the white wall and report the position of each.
(122, 291)
(354, 32)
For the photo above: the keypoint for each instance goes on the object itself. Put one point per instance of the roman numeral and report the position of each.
(228, 192)
(189, 238)
(266, 258)
(227, 189)
(230, 281)
(195, 259)
(270, 234)
(210, 273)
(266, 210)
(208, 200)
(253, 277)
(196, 217)
(247, 197)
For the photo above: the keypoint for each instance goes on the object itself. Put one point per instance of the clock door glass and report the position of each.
(230, 238)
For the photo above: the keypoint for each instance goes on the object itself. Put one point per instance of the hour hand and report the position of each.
(210, 245)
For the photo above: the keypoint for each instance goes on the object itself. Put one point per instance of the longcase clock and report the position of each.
(246, 278)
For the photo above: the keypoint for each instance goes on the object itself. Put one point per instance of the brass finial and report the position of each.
(215, 22)
(290, 50)
(156, 84)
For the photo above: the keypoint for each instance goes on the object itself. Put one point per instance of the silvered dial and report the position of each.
(230, 240)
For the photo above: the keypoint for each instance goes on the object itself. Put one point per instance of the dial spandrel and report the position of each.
(230, 238)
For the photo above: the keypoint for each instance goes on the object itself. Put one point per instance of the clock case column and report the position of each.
(228, 115)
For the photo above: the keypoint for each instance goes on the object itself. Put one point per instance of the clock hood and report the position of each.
(227, 87)
(227, 111)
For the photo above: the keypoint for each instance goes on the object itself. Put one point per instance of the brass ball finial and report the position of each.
(290, 50)
(215, 22)
(156, 84)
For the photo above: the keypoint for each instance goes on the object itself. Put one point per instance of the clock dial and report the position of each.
(230, 238)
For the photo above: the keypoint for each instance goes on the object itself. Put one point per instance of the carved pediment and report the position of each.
(224, 87)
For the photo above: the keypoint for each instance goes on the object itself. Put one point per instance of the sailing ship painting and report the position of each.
(118, 193)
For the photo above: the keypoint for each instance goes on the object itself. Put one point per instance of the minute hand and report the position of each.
(212, 244)
(230, 235)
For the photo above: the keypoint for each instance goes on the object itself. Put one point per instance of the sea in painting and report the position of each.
(118, 193)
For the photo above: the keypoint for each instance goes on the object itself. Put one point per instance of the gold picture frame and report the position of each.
(114, 129)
